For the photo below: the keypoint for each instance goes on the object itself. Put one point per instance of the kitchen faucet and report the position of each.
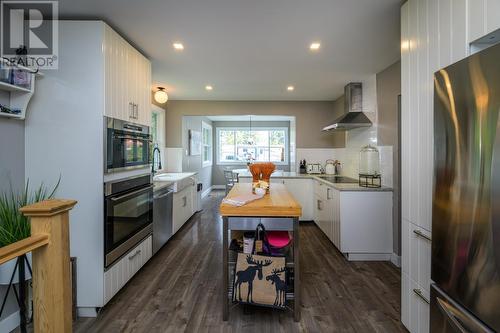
(155, 150)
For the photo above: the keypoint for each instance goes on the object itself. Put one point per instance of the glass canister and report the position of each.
(369, 161)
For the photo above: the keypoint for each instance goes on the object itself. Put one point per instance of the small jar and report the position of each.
(369, 161)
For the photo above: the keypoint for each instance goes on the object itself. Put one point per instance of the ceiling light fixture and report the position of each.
(290, 88)
(209, 88)
(161, 96)
(314, 46)
(178, 46)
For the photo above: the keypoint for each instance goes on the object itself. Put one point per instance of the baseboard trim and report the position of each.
(206, 192)
(218, 187)
(10, 323)
(368, 256)
(88, 312)
(396, 260)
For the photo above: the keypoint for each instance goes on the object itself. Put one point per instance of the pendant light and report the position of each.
(161, 96)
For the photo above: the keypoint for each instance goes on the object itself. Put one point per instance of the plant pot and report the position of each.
(7, 268)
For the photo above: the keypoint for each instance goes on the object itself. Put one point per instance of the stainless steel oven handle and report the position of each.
(131, 193)
(421, 234)
(164, 195)
(131, 138)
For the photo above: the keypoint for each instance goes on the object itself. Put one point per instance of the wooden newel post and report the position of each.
(51, 266)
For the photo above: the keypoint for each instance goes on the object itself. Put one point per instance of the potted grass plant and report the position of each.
(14, 226)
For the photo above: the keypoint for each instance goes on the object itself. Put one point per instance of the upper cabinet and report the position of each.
(127, 80)
(483, 18)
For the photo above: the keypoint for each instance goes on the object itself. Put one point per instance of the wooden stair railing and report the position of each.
(49, 243)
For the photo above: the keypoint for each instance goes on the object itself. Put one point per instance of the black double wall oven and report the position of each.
(128, 215)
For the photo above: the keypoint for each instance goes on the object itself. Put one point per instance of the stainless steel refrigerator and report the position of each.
(465, 269)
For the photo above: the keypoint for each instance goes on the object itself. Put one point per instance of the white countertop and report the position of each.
(165, 179)
(338, 186)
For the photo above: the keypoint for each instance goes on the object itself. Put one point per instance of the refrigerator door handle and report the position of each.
(459, 320)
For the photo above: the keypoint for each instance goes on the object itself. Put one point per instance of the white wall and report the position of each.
(355, 140)
(434, 34)
(64, 135)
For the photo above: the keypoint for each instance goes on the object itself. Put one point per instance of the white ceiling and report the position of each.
(253, 49)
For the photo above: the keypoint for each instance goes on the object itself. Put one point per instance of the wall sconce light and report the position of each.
(161, 95)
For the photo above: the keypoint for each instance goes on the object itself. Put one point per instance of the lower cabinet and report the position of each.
(358, 223)
(124, 269)
(183, 207)
(414, 305)
(301, 189)
(322, 215)
(415, 277)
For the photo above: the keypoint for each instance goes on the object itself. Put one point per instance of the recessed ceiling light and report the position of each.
(209, 88)
(290, 88)
(314, 46)
(178, 46)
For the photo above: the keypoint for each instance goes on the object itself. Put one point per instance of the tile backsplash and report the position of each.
(349, 159)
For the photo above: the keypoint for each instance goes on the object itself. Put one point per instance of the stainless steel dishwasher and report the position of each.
(162, 217)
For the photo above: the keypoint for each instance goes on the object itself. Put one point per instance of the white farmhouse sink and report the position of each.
(180, 180)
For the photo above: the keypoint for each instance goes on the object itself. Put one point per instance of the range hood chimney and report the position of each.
(353, 108)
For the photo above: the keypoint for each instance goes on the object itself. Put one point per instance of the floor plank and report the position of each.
(178, 289)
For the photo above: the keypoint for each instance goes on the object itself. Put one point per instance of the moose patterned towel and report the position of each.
(260, 280)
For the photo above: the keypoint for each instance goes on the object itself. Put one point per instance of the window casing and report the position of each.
(158, 130)
(240, 145)
(207, 142)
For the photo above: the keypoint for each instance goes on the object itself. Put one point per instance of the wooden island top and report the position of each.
(277, 203)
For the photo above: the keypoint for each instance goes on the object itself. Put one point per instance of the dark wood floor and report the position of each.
(179, 289)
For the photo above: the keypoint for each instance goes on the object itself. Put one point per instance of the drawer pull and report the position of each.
(421, 234)
(134, 255)
(419, 293)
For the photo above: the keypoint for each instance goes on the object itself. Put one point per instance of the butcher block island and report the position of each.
(277, 210)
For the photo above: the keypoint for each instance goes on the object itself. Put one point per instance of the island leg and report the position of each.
(225, 270)
(296, 270)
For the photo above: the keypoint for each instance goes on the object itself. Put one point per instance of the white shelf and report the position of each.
(18, 98)
(11, 87)
(28, 69)
(11, 115)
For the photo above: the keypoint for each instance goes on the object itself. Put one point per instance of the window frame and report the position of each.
(209, 162)
(279, 128)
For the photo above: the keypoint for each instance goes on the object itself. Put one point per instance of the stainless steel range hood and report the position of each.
(353, 107)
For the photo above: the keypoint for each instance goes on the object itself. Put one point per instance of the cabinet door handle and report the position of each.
(134, 255)
(328, 193)
(419, 293)
(319, 204)
(184, 201)
(421, 234)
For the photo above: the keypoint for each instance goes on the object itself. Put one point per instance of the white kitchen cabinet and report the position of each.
(360, 234)
(483, 18)
(301, 189)
(416, 251)
(335, 210)
(366, 224)
(183, 207)
(127, 77)
(414, 305)
(322, 216)
(121, 272)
